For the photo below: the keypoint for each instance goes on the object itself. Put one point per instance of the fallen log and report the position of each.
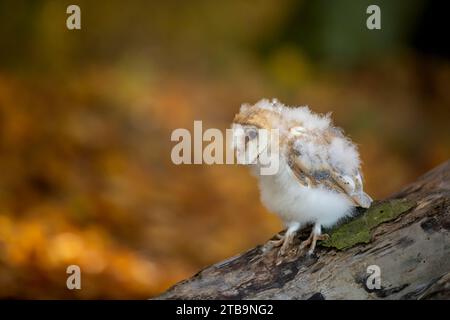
(403, 242)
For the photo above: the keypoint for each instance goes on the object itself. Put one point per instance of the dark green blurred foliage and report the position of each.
(333, 32)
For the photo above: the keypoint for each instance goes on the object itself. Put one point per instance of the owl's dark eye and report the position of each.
(251, 134)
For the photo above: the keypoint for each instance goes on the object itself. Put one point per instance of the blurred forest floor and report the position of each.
(85, 155)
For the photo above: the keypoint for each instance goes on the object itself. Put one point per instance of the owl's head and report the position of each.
(262, 115)
(252, 129)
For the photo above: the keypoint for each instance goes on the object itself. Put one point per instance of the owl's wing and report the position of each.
(321, 172)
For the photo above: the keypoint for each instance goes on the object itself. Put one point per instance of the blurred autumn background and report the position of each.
(86, 118)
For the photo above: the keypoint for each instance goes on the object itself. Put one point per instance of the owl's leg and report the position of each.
(288, 237)
(316, 234)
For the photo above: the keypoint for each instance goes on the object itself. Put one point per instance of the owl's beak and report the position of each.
(238, 143)
(246, 150)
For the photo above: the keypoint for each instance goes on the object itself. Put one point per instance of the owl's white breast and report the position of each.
(283, 195)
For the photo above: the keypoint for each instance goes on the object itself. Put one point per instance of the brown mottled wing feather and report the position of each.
(300, 173)
(323, 177)
(331, 178)
(353, 188)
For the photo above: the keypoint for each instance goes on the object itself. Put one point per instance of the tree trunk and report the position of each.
(405, 238)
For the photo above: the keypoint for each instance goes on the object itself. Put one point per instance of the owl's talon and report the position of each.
(285, 240)
(305, 243)
(276, 243)
(284, 248)
(282, 252)
(312, 239)
(324, 237)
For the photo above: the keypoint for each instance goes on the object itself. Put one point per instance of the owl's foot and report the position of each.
(285, 241)
(282, 241)
(277, 242)
(312, 239)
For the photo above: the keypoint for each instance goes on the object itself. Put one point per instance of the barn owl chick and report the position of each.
(318, 181)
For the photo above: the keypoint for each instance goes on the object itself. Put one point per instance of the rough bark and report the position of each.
(411, 248)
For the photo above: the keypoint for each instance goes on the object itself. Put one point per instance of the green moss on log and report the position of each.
(359, 229)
